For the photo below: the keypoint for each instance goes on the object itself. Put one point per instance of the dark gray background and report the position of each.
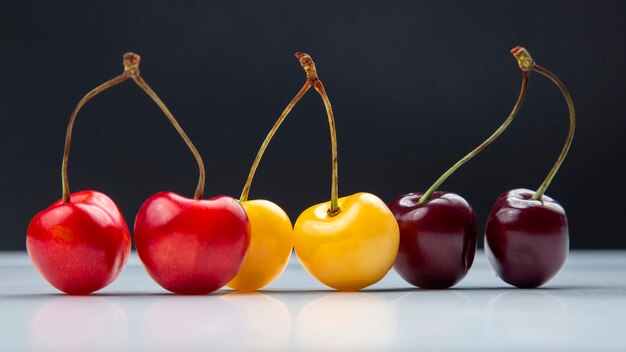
(414, 86)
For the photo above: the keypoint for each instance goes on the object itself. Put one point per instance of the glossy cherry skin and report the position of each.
(437, 239)
(350, 250)
(191, 246)
(271, 243)
(81, 246)
(526, 241)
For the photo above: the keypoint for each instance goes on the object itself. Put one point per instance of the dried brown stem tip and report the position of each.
(524, 60)
(131, 63)
(308, 65)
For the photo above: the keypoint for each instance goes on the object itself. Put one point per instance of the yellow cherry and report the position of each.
(352, 249)
(271, 231)
(271, 241)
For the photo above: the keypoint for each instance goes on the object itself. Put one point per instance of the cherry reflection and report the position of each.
(346, 321)
(79, 324)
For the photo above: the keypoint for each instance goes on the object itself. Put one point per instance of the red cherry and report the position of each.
(81, 243)
(437, 239)
(79, 246)
(526, 241)
(527, 236)
(191, 246)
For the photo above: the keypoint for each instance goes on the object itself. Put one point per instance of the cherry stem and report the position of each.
(524, 60)
(334, 191)
(268, 138)
(308, 65)
(201, 173)
(70, 126)
(570, 134)
(312, 81)
(131, 70)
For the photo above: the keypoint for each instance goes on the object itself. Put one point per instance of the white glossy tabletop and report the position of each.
(584, 308)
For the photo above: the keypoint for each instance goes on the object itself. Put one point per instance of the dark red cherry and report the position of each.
(526, 241)
(437, 239)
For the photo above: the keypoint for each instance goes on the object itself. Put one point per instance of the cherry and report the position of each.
(79, 246)
(81, 243)
(347, 243)
(527, 236)
(438, 229)
(437, 239)
(189, 246)
(526, 240)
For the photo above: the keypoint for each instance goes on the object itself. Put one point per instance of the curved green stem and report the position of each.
(201, 173)
(65, 184)
(523, 61)
(131, 64)
(334, 190)
(570, 134)
(268, 138)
